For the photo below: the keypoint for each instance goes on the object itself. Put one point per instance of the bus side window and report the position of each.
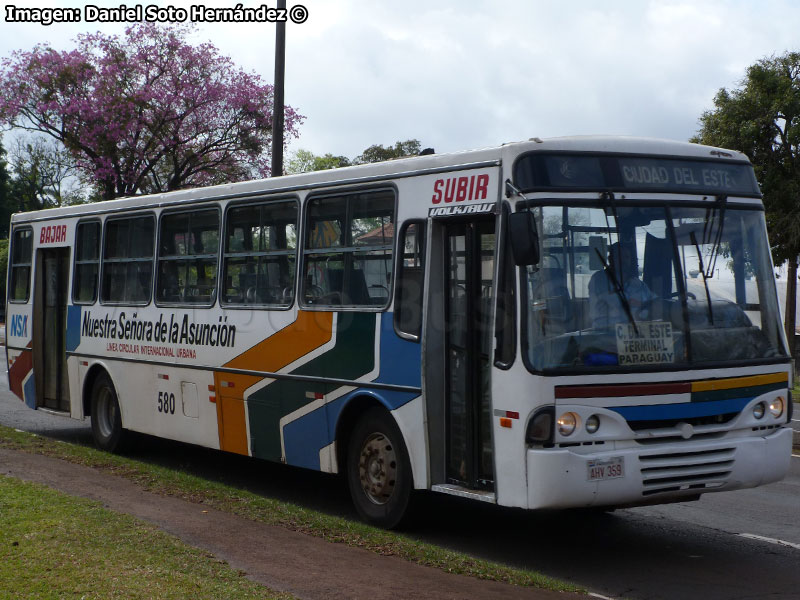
(410, 279)
(187, 257)
(259, 254)
(506, 317)
(347, 256)
(128, 260)
(21, 255)
(87, 263)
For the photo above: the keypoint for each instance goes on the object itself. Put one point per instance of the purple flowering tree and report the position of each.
(147, 112)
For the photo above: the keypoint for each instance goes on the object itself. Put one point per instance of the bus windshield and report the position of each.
(649, 287)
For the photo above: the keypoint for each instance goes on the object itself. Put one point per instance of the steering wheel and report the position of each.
(313, 292)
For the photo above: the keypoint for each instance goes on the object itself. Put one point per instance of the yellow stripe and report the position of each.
(738, 382)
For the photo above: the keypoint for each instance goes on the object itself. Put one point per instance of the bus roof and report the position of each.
(394, 169)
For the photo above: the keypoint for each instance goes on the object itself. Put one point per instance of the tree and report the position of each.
(42, 175)
(3, 268)
(145, 113)
(762, 119)
(378, 153)
(6, 210)
(6, 203)
(304, 161)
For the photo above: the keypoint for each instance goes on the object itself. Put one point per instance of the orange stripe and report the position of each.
(307, 333)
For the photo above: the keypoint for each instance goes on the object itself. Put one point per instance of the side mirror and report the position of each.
(524, 238)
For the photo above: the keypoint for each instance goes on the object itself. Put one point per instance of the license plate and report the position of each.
(607, 468)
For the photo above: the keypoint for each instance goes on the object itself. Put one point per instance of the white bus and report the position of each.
(576, 322)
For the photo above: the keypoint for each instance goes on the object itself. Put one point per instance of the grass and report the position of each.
(55, 545)
(233, 500)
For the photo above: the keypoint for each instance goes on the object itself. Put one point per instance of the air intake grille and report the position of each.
(693, 421)
(678, 471)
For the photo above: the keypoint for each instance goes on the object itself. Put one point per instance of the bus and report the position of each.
(572, 322)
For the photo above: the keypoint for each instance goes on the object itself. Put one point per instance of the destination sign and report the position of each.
(648, 343)
(591, 172)
(683, 174)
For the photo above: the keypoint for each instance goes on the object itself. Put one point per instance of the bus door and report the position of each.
(49, 329)
(469, 248)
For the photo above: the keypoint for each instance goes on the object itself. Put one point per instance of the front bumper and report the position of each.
(559, 477)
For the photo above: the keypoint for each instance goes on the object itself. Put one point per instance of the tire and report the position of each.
(107, 428)
(378, 470)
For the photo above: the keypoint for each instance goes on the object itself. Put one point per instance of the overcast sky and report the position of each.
(467, 74)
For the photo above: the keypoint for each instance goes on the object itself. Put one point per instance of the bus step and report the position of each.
(53, 411)
(457, 490)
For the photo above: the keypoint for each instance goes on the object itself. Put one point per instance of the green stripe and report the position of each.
(742, 392)
(352, 356)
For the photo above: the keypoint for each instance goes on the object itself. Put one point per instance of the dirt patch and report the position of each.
(283, 560)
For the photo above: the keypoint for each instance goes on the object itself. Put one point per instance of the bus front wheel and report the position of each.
(378, 470)
(106, 417)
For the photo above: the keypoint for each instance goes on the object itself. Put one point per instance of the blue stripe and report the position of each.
(685, 410)
(306, 436)
(73, 327)
(303, 439)
(29, 390)
(401, 360)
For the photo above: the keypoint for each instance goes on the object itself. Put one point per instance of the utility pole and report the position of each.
(277, 104)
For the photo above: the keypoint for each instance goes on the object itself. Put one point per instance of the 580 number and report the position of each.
(166, 403)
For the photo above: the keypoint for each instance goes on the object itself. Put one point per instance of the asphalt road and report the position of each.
(743, 544)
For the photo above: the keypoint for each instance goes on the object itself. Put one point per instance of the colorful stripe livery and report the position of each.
(294, 417)
(308, 332)
(680, 400)
(20, 377)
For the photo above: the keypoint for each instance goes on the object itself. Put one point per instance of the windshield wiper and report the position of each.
(609, 198)
(693, 237)
(708, 227)
(620, 292)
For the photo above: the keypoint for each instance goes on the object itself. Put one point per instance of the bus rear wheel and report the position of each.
(107, 428)
(378, 470)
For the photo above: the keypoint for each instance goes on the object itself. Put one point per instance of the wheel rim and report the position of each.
(377, 468)
(106, 412)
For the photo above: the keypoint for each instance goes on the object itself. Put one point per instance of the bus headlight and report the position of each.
(540, 427)
(758, 410)
(776, 407)
(567, 423)
(592, 424)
